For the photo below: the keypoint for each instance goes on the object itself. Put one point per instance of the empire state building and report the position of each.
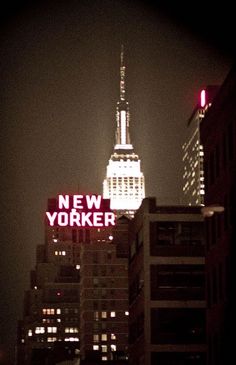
(124, 182)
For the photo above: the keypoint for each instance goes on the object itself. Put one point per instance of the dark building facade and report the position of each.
(166, 286)
(218, 136)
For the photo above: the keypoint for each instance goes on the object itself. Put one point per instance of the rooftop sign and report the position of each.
(81, 211)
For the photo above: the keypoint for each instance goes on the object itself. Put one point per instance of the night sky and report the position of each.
(59, 88)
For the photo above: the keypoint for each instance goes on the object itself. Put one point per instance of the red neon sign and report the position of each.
(81, 211)
(203, 98)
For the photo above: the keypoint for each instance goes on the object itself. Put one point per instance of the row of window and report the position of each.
(104, 348)
(103, 337)
(54, 339)
(53, 311)
(106, 314)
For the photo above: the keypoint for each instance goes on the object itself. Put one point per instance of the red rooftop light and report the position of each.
(203, 98)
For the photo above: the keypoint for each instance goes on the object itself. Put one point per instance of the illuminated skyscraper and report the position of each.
(193, 177)
(124, 182)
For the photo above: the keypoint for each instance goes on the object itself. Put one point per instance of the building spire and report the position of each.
(124, 181)
(122, 74)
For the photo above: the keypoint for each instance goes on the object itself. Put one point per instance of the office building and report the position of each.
(166, 286)
(218, 136)
(104, 297)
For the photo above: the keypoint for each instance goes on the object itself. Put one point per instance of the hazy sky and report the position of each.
(59, 88)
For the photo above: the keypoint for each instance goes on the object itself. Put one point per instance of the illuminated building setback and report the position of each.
(124, 182)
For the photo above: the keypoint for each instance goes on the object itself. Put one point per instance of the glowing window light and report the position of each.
(51, 339)
(96, 338)
(71, 339)
(71, 330)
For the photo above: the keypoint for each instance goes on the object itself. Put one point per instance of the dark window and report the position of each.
(177, 325)
(74, 235)
(177, 282)
(214, 286)
(220, 279)
(230, 141)
(212, 168)
(178, 358)
(224, 151)
(209, 293)
(217, 160)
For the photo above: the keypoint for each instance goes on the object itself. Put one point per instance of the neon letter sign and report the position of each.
(81, 211)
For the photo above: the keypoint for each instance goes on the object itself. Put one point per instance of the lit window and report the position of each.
(63, 253)
(51, 339)
(113, 314)
(77, 267)
(104, 348)
(58, 311)
(39, 330)
(95, 347)
(56, 253)
(71, 339)
(52, 329)
(104, 314)
(71, 330)
(113, 336)
(126, 313)
(30, 333)
(48, 311)
(96, 316)
(58, 319)
(104, 358)
(113, 347)
(104, 337)
(95, 338)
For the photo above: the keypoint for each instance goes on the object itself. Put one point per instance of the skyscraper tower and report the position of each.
(124, 182)
(193, 154)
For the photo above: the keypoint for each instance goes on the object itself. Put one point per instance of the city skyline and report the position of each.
(60, 75)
